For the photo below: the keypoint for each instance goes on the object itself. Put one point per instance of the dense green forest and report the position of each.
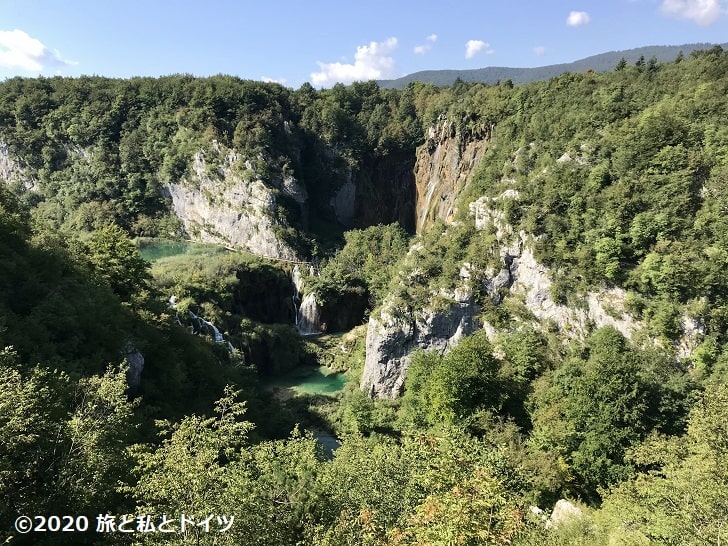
(614, 181)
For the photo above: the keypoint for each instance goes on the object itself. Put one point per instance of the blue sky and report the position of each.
(327, 41)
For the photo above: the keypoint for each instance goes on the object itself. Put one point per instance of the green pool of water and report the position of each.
(153, 250)
(319, 380)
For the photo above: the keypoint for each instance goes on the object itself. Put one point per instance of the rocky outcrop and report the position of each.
(603, 308)
(445, 164)
(135, 360)
(525, 277)
(393, 335)
(564, 513)
(222, 205)
(11, 171)
(693, 333)
(483, 212)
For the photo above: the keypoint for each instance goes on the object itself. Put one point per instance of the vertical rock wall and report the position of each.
(220, 206)
(445, 164)
(392, 336)
(10, 170)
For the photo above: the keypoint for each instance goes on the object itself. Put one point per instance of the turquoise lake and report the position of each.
(153, 250)
(319, 380)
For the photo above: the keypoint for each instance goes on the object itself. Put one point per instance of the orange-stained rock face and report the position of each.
(445, 165)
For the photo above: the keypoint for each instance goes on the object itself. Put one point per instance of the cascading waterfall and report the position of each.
(308, 311)
(297, 280)
(203, 325)
(200, 325)
(308, 319)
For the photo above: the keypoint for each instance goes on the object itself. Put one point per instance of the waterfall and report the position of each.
(297, 281)
(200, 325)
(308, 311)
(207, 326)
(308, 317)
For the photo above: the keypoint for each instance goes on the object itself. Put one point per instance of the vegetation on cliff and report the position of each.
(616, 180)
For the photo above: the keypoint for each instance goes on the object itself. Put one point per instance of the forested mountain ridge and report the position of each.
(550, 322)
(603, 62)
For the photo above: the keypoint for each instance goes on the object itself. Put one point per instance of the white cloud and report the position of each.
(371, 62)
(19, 50)
(473, 47)
(702, 12)
(422, 49)
(539, 50)
(578, 18)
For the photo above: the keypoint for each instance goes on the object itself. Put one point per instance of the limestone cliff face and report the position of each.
(374, 189)
(530, 280)
(220, 202)
(445, 164)
(218, 205)
(135, 360)
(603, 308)
(392, 336)
(223, 205)
(10, 169)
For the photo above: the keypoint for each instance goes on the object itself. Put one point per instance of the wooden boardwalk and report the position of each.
(271, 258)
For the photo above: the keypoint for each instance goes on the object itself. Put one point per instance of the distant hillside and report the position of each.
(492, 74)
